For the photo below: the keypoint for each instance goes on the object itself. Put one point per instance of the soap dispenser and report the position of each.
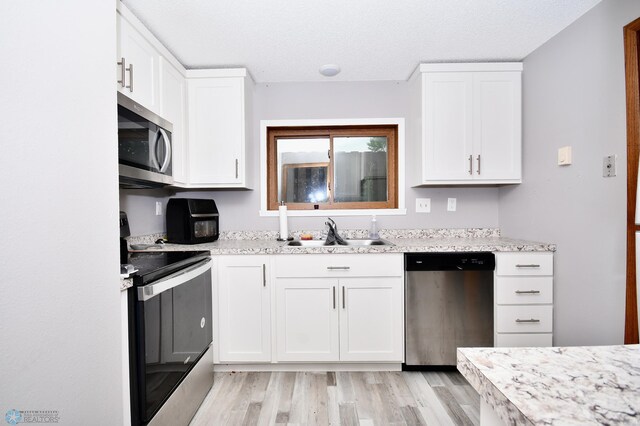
(373, 229)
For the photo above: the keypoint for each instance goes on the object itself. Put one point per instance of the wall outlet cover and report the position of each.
(451, 204)
(423, 205)
(158, 208)
(609, 166)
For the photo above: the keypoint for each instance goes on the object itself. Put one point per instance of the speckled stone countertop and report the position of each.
(404, 241)
(557, 386)
(125, 283)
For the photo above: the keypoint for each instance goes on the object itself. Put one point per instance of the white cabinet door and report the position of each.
(496, 125)
(139, 53)
(244, 310)
(173, 95)
(447, 125)
(216, 131)
(307, 319)
(371, 319)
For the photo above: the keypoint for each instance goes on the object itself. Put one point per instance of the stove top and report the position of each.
(152, 266)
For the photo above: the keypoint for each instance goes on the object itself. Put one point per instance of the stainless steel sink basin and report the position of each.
(353, 242)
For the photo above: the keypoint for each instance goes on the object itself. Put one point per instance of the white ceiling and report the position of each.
(281, 40)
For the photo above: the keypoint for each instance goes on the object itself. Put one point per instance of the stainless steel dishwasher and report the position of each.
(448, 304)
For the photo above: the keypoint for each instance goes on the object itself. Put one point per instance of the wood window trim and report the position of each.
(632, 80)
(388, 130)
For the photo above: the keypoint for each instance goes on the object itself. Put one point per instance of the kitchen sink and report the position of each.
(352, 242)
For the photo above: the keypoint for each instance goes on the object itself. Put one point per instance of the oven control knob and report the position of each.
(202, 322)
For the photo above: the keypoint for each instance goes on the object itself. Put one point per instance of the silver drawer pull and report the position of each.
(527, 291)
(338, 268)
(532, 320)
(532, 265)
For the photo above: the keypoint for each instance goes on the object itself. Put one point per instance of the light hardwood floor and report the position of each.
(340, 398)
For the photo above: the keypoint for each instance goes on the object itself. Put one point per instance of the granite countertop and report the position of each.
(563, 385)
(125, 283)
(404, 241)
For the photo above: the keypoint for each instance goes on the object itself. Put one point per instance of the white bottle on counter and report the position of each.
(373, 229)
(284, 230)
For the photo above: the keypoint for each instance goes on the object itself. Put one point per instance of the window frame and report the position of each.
(269, 129)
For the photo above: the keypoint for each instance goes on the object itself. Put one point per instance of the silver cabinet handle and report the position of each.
(478, 163)
(532, 265)
(130, 69)
(264, 275)
(471, 164)
(532, 320)
(236, 168)
(123, 73)
(334, 297)
(527, 291)
(343, 298)
(338, 268)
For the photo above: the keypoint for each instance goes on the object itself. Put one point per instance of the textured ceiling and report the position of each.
(281, 40)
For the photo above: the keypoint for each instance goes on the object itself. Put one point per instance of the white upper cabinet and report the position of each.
(218, 103)
(469, 123)
(173, 97)
(138, 63)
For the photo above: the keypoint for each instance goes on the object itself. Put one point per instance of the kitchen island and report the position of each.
(555, 386)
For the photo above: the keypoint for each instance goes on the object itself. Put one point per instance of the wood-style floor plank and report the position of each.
(339, 398)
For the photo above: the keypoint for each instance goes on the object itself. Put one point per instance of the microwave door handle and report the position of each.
(167, 151)
(153, 150)
(148, 291)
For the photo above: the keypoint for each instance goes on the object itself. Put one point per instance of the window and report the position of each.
(332, 167)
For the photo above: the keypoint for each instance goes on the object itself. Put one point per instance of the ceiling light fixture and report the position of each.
(329, 70)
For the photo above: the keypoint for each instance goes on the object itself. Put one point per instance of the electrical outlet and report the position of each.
(609, 166)
(158, 208)
(423, 205)
(451, 204)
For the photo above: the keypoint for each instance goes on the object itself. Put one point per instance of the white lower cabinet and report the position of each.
(523, 299)
(307, 319)
(371, 319)
(320, 308)
(338, 309)
(243, 309)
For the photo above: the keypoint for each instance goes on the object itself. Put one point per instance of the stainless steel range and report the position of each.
(170, 336)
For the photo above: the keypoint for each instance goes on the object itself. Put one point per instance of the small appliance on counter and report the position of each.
(192, 221)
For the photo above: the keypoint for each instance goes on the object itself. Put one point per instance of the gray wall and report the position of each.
(574, 94)
(60, 305)
(477, 207)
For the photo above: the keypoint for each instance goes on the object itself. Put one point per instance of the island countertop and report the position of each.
(556, 386)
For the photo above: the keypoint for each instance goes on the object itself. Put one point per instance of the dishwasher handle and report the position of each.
(455, 261)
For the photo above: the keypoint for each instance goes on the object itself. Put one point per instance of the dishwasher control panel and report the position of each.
(471, 261)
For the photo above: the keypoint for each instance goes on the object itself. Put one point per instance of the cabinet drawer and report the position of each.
(523, 340)
(524, 263)
(524, 290)
(339, 265)
(524, 319)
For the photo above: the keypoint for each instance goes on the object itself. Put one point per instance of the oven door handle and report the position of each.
(148, 291)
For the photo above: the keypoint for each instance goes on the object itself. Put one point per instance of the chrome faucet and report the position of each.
(332, 234)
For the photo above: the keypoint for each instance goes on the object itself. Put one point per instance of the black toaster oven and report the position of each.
(192, 221)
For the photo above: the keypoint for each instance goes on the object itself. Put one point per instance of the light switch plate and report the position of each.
(564, 156)
(451, 204)
(609, 166)
(423, 205)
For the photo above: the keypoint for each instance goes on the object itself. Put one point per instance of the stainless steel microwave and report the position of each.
(144, 146)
